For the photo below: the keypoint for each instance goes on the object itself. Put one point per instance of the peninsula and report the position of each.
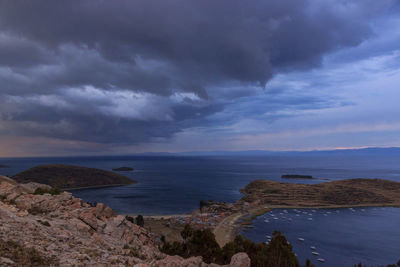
(71, 177)
(261, 196)
(341, 193)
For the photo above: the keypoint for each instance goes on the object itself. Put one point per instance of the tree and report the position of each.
(140, 220)
(202, 205)
(278, 253)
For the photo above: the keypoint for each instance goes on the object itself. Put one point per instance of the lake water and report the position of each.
(342, 237)
(173, 185)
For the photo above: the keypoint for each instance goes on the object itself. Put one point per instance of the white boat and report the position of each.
(268, 236)
(275, 218)
(310, 219)
(301, 239)
(313, 247)
(315, 253)
(321, 260)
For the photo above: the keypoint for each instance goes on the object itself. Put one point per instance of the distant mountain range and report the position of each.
(359, 151)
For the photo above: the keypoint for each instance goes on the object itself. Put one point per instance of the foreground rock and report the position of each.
(62, 230)
(71, 177)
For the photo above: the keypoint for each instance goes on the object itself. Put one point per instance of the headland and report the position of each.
(69, 177)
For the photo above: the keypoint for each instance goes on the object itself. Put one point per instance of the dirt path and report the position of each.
(226, 229)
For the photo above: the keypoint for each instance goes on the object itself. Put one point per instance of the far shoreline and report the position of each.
(227, 234)
(94, 187)
(229, 227)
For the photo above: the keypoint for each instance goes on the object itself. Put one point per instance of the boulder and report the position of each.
(31, 187)
(89, 218)
(240, 260)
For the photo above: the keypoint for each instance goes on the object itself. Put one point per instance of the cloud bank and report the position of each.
(133, 72)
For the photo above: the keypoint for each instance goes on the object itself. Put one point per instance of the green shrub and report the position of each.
(129, 218)
(139, 220)
(52, 191)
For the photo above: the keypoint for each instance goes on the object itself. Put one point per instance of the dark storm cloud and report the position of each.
(161, 51)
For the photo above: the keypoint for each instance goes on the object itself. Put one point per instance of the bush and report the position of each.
(52, 191)
(129, 218)
(139, 220)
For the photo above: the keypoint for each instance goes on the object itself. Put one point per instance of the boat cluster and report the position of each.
(313, 250)
(285, 215)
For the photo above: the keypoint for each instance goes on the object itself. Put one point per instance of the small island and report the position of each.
(296, 176)
(3, 166)
(71, 177)
(123, 169)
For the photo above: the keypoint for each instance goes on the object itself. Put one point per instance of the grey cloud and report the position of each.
(204, 42)
(157, 49)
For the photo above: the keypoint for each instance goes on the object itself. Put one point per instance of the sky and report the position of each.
(98, 77)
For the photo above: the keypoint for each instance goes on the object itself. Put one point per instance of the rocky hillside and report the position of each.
(61, 230)
(347, 193)
(71, 177)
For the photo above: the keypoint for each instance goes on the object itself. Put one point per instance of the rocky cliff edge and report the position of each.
(62, 230)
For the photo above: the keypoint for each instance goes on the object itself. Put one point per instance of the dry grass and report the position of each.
(23, 256)
(352, 192)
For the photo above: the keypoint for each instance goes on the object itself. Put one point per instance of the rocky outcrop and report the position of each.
(73, 233)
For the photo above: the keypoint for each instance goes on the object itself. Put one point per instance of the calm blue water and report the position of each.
(170, 185)
(341, 236)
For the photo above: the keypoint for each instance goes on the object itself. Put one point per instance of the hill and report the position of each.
(61, 230)
(346, 193)
(71, 177)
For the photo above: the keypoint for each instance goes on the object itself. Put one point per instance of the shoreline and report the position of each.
(95, 186)
(226, 230)
(225, 234)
